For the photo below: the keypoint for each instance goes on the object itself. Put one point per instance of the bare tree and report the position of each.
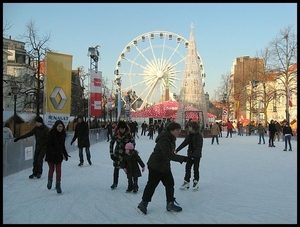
(265, 92)
(6, 26)
(224, 91)
(284, 55)
(37, 51)
(79, 97)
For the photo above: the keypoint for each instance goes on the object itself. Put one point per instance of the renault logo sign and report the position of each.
(58, 98)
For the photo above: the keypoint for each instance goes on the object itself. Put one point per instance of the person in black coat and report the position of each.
(56, 152)
(159, 167)
(287, 133)
(109, 132)
(120, 138)
(272, 131)
(131, 163)
(83, 139)
(40, 131)
(194, 141)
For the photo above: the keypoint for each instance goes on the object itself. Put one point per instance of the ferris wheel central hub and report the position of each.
(159, 74)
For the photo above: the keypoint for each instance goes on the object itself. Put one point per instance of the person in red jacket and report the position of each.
(229, 128)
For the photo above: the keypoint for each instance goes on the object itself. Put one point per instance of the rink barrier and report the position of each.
(18, 156)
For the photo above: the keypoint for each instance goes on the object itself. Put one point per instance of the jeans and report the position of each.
(261, 136)
(287, 140)
(88, 154)
(229, 131)
(213, 138)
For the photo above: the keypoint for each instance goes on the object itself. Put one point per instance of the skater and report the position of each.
(159, 168)
(215, 131)
(150, 131)
(56, 152)
(288, 133)
(230, 128)
(40, 131)
(194, 141)
(272, 131)
(131, 163)
(83, 139)
(144, 128)
(109, 132)
(261, 133)
(121, 137)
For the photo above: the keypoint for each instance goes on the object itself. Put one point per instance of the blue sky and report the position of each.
(222, 31)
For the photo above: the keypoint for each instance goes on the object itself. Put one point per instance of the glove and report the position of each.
(72, 142)
(112, 157)
(143, 169)
(125, 170)
(16, 139)
(185, 159)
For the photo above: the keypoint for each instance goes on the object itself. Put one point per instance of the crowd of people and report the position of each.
(121, 135)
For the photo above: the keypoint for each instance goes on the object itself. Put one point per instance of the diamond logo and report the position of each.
(58, 98)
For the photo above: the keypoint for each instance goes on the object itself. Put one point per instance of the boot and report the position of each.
(58, 188)
(143, 206)
(49, 185)
(171, 206)
(113, 186)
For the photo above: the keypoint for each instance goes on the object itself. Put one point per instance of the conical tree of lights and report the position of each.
(192, 89)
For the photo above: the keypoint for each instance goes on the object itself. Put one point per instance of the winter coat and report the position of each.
(163, 153)
(7, 133)
(194, 141)
(272, 128)
(132, 127)
(82, 135)
(120, 139)
(109, 128)
(131, 162)
(229, 125)
(41, 137)
(287, 130)
(278, 127)
(56, 149)
(151, 130)
(261, 129)
(215, 129)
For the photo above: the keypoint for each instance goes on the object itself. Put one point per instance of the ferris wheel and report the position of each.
(151, 64)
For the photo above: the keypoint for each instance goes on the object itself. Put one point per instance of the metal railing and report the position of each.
(18, 156)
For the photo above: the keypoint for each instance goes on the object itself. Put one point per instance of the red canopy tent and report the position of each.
(166, 109)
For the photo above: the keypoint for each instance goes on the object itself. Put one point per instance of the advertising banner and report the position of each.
(96, 93)
(58, 88)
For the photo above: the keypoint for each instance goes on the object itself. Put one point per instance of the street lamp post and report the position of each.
(118, 82)
(93, 53)
(15, 91)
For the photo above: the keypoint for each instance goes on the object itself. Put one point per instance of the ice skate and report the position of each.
(186, 185)
(195, 185)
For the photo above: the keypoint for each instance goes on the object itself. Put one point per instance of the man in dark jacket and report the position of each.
(40, 131)
(83, 140)
(159, 167)
(272, 131)
(194, 141)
